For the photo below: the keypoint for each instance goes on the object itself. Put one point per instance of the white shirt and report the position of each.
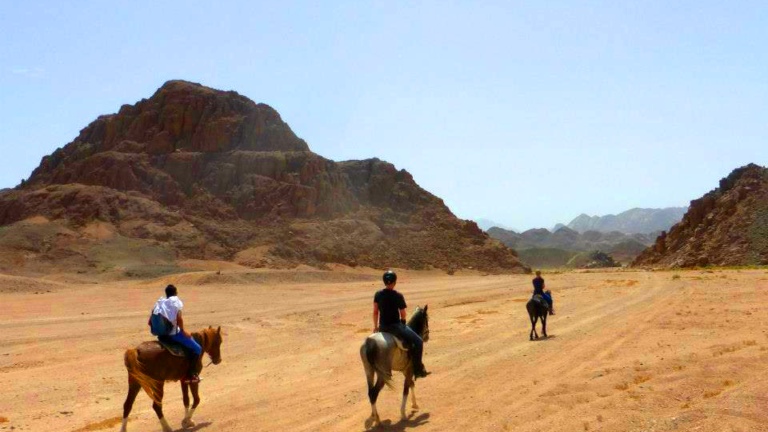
(169, 308)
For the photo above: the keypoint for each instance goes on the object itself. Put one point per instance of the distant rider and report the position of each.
(170, 307)
(389, 316)
(538, 288)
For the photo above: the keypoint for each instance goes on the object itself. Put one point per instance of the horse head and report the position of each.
(419, 322)
(212, 339)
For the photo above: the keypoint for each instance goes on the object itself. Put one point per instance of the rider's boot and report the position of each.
(551, 311)
(420, 371)
(192, 374)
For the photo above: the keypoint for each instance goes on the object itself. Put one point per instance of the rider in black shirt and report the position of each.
(389, 316)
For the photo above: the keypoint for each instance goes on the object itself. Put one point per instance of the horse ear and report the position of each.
(425, 307)
(219, 330)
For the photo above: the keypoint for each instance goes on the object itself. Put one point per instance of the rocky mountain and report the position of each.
(634, 221)
(570, 240)
(727, 226)
(194, 172)
(486, 224)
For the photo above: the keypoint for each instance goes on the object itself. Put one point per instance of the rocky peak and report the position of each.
(727, 226)
(180, 117)
(211, 174)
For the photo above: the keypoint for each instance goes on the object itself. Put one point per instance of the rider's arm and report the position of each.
(180, 323)
(375, 317)
(402, 314)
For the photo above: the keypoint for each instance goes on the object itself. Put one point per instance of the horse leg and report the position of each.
(544, 325)
(406, 387)
(185, 398)
(373, 395)
(533, 323)
(133, 390)
(187, 422)
(414, 405)
(159, 410)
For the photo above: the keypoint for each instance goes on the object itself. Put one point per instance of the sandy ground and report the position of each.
(628, 351)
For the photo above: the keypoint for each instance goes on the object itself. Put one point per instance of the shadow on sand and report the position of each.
(544, 339)
(196, 427)
(402, 425)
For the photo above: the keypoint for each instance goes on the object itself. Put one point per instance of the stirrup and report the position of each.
(194, 379)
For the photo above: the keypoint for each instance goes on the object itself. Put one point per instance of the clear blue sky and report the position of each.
(527, 113)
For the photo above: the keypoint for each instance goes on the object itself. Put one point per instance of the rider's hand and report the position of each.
(375, 329)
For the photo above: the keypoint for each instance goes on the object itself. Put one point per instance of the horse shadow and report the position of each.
(195, 428)
(544, 339)
(402, 425)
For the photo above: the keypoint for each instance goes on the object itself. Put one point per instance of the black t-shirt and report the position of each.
(538, 285)
(390, 302)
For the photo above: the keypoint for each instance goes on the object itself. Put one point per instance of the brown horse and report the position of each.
(150, 365)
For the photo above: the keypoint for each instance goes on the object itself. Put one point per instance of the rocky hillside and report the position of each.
(543, 248)
(727, 226)
(570, 240)
(207, 174)
(634, 221)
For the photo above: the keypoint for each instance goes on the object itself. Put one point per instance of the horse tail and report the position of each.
(136, 373)
(371, 351)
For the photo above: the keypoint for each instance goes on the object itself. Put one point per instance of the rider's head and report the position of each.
(538, 272)
(171, 291)
(390, 278)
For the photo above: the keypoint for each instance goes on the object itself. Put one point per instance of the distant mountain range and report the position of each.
(486, 224)
(623, 236)
(570, 240)
(634, 221)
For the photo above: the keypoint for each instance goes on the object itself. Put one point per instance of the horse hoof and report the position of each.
(415, 407)
(186, 424)
(368, 423)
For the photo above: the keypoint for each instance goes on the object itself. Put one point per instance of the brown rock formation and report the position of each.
(726, 227)
(216, 176)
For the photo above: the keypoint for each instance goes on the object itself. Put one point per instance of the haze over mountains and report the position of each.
(623, 236)
(194, 172)
(634, 221)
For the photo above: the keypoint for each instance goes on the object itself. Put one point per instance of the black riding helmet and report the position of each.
(389, 277)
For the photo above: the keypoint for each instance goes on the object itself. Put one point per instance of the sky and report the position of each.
(527, 113)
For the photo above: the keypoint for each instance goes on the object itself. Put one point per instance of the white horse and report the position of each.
(382, 353)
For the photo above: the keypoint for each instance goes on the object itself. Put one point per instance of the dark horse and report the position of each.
(381, 354)
(538, 308)
(150, 365)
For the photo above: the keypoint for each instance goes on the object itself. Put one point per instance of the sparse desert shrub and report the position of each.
(677, 276)
(642, 378)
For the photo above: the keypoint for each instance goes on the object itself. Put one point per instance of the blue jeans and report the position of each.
(189, 344)
(411, 339)
(548, 297)
(192, 348)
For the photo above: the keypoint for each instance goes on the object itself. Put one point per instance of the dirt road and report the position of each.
(628, 351)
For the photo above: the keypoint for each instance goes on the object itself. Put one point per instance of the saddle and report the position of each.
(399, 342)
(174, 348)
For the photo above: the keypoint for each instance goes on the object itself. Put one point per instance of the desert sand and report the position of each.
(628, 351)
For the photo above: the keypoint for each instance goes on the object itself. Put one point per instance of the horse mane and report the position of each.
(203, 339)
(417, 321)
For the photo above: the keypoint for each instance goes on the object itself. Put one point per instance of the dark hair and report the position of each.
(170, 291)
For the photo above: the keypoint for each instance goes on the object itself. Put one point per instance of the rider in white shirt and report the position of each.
(170, 307)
